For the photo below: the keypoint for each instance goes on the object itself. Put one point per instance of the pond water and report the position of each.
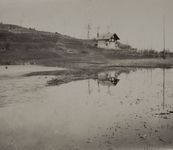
(18, 70)
(88, 114)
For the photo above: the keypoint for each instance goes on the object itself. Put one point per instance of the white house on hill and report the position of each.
(108, 41)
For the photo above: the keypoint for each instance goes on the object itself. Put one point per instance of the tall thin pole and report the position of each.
(98, 30)
(108, 28)
(164, 37)
(88, 31)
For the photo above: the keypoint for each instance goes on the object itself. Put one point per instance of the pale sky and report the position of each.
(137, 22)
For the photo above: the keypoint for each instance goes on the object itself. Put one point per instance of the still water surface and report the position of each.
(134, 114)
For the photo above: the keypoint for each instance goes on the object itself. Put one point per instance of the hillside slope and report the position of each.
(19, 45)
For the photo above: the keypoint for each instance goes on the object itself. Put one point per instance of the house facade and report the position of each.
(108, 41)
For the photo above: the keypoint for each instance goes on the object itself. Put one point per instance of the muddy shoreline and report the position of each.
(90, 71)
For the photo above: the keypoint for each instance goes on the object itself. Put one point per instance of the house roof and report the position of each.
(108, 36)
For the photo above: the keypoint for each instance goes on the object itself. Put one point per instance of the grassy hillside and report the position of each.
(19, 45)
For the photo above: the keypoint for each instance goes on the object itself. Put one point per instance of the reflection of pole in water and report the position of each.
(163, 88)
(109, 91)
(151, 76)
(89, 88)
(98, 86)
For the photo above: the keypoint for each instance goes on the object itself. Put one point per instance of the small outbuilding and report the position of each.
(108, 41)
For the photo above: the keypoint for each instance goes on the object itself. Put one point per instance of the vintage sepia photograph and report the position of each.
(86, 74)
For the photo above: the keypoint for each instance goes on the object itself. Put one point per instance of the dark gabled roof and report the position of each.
(108, 36)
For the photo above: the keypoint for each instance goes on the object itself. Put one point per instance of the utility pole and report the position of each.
(88, 31)
(163, 37)
(108, 28)
(98, 30)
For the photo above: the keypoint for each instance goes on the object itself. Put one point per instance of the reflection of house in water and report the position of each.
(108, 41)
(107, 83)
(106, 79)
